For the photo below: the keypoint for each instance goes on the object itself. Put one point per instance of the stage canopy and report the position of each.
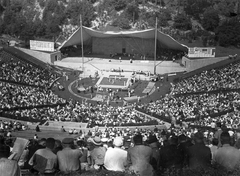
(87, 33)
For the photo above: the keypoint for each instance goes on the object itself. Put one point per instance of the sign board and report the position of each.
(201, 52)
(41, 45)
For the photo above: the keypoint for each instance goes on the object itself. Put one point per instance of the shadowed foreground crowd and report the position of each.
(139, 152)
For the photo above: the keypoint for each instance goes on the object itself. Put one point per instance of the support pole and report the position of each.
(155, 51)
(81, 27)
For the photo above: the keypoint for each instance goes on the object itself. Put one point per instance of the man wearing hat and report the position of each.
(69, 158)
(98, 153)
(116, 158)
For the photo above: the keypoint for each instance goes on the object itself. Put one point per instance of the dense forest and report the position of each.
(214, 22)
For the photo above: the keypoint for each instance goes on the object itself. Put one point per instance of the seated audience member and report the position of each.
(9, 167)
(199, 155)
(63, 129)
(139, 157)
(70, 131)
(32, 148)
(75, 131)
(69, 158)
(37, 129)
(116, 158)
(98, 153)
(44, 160)
(227, 156)
(84, 158)
(153, 143)
(170, 155)
(58, 146)
(4, 149)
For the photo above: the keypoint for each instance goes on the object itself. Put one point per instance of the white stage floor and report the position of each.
(91, 65)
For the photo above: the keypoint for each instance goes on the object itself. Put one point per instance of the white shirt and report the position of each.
(115, 159)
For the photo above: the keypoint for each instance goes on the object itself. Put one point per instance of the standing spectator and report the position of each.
(116, 158)
(69, 158)
(139, 157)
(199, 155)
(227, 156)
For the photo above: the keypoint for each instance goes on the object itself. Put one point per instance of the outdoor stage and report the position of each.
(90, 65)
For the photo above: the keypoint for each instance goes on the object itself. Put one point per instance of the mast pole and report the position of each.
(81, 27)
(155, 51)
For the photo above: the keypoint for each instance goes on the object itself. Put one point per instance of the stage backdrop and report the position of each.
(122, 45)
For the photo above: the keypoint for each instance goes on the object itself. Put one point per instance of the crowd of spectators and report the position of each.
(14, 95)
(209, 80)
(100, 114)
(132, 151)
(199, 108)
(12, 69)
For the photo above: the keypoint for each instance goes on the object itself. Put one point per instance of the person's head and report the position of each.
(225, 138)
(198, 137)
(137, 139)
(42, 142)
(97, 141)
(68, 142)
(81, 143)
(215, 141)
(152, 139)
(50, 143)
(118, 142)
(182, 138)
(173, 140)
(58, 143)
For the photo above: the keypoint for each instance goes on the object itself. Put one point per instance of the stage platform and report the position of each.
(91, 65)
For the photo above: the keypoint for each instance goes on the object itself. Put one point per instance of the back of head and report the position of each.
(198, 137)
(215, 141)
(173, 140)
(137, 139)
(118, 142)
(50, 143)
(42, 142)
(182, 138)
(225, 138)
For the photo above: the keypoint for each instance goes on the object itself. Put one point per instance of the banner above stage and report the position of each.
(88, 33)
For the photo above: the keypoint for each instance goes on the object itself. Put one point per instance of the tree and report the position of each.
(210, 19)
(119, 4)
(196, 7)
(132, 12)
(122, 22)
(76, 8)
(228, 34)
(182, 22)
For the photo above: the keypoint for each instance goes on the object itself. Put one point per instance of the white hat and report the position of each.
(118, 141)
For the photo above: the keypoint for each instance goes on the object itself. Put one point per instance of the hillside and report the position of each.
(213, 22)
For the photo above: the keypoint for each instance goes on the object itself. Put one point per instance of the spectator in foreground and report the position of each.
(139, 156)
(4, 149)
(116, 158)
(227, 156)
(98, 153)
(69, 158)
(44, 160)
(9, 167)
(199, 155)
(170, 155)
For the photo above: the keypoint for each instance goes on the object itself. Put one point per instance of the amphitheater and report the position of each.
(89, 66)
